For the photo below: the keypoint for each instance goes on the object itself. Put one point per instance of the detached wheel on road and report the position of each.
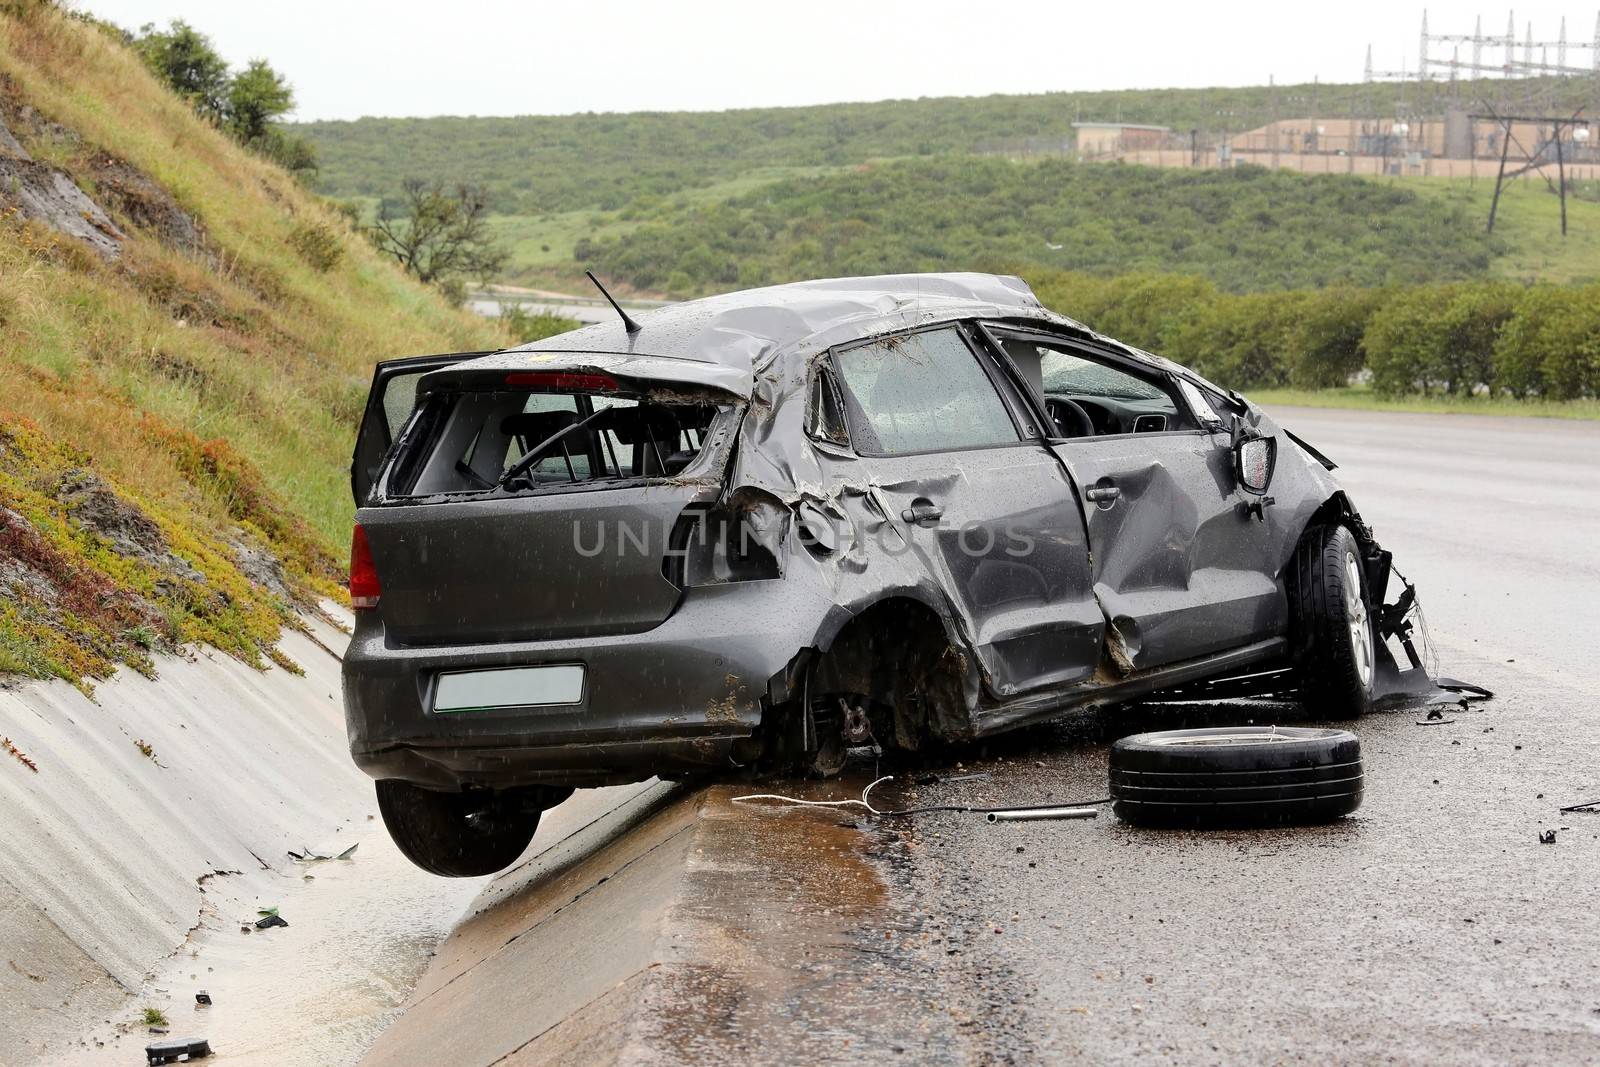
(1335, 654)
(456, 835)
(1236, 776)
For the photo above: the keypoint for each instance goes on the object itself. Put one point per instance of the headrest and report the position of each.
(633, 425)
(536, 426)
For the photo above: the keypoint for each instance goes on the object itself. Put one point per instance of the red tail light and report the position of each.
(364, 588)
(560, 379)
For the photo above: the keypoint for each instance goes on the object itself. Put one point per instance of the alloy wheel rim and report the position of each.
(1359, 620)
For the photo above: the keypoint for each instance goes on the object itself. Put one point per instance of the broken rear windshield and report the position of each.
(519, 441)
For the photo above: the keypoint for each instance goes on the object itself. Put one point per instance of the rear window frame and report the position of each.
(411, 448)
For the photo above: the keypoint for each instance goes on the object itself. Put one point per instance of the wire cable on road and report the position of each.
(866, 804)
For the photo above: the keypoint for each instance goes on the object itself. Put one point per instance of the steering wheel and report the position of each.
(1069, 417)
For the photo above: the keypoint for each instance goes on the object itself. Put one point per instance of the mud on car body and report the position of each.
(761, 527)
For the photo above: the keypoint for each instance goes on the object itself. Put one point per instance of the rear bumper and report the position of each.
(674, 699)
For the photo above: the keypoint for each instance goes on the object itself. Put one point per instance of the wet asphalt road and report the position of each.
(1431, 927)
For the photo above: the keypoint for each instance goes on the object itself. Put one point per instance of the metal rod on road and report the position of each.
(1030, 814)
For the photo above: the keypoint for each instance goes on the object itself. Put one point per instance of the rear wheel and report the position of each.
(1336, 654)
(459, 835)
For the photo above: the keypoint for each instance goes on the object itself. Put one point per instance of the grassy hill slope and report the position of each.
(178, 408)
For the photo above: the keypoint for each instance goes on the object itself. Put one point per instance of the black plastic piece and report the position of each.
(185, 1049)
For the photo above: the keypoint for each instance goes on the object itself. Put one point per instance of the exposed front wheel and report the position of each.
(1336, 653)
(458, 835)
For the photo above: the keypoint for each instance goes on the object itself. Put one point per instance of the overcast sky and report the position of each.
(348, 58)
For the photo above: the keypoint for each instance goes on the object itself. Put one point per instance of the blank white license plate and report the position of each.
(510, 687)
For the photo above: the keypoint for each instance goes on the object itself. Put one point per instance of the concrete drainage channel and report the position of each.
(151, 825)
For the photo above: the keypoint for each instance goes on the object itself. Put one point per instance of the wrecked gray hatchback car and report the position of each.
(764, 527)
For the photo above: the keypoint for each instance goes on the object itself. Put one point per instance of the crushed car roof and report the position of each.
(746, 329)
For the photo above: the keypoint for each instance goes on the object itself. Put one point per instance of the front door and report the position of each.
(976, 501)
(1179, 568)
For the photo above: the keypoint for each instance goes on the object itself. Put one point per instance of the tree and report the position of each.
(184, 58)
(437, 235)
(1550, 347)
(256, 96)
(1325, 341)
(246, 104)
(1406, 339)
(1474, 320)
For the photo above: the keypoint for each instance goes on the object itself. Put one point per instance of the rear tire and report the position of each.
(1335, 651)
(456, 835)
(1236, 776)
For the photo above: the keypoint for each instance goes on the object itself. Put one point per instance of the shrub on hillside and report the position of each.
(524, 325)
(1241, 342)
(1550, 346)
(1324, 346)
(1142, 309)
(318, 244)
(1405, 339)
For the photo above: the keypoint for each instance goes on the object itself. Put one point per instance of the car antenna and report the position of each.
(627, 323)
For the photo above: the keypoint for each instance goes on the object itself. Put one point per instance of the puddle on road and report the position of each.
(318, 992)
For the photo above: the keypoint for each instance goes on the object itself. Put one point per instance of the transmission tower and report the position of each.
(1534, 60)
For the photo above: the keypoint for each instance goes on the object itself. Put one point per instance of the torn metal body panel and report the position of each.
(764, 525)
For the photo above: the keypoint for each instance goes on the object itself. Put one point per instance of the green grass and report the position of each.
(541, 246)
(1527, 226)
(214, 391)
(544, 242)
(1361, 399)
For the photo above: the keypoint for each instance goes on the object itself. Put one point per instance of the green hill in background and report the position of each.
(1247, 229)
(690, 202)
(535, 164)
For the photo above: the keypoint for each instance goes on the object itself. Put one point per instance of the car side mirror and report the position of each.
(1254, 458)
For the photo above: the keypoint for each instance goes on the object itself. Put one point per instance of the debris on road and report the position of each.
(1032, 814)
(1588, 807)
(203, 998)
(184, 1050)
(1547, 837)
(308, 856)
(1007, 811)
(21, 756)
(269, 918)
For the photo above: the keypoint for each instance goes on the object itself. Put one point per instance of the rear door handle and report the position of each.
(922, 513)
(1104, 495)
